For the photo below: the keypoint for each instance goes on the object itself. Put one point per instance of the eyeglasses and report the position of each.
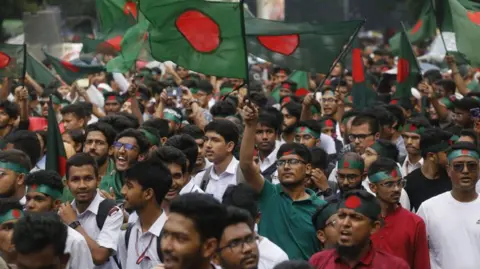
(332, 223)
(391, 184)
(351, 178)
(360, 137)
(289, 162)
(459, 167)
(127, 146)
(329, 100)
(237, 245)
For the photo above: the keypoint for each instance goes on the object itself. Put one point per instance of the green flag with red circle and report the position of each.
(116, 15)
(69, 72)
(56, 158)
(408, 70)
(12, 61)
(362, 94)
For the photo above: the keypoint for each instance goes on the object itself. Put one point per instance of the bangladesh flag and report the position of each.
(362, 94)
(301, 46)
(70, 72)
(303, 84)
(203, 36)
(108, 45)
(12, 61)
(56, 156)
(116, 15)
(40, 73)
(424, 28)
(466, 25)
(408, 69)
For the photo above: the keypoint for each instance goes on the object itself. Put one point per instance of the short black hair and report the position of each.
(106, 129)
(382, 164)
(270, 120)
(298, 149)
(76, 109)
(12, 109)
(205, 86)
(447, 84)
(142, 141)
(17, 157)
(26, 141)
(225, 128)
(237, 215)
(431, 137)
(466, 103)
(161, 125)
(45, 177)
(242, 196)
(258, 98)
(349, 114)
(397, 112)
(78, 136)
(470, 133)
(7, 204)
(367, 118)
(294, 109)
(319, 158)
(151, 174)
(391, 149)
(223, 109)
(36, 231)
(133, 120)
(293, 265)
(81, 159)
(168, 154)
(311, 124)
(187, 145)
(433, 76)
(193, 130)
(207, 213)
(118, 122)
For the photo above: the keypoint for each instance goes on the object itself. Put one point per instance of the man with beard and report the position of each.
(83, 213)
(130, 146)
(113, 103)
(452, 217)
(237, 248)
(9, 113)
(431, 179)
(291, 112)
(411, 133)
(193, 231)
(44, 191)
(266, 142)
(350, 174)
(14, 166)
(358, 218)
(287, 207)
(40, 241)
(325, 222)
(403, 233)
(308, 133)
(146, 184)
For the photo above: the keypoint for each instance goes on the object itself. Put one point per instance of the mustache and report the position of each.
(250, 256)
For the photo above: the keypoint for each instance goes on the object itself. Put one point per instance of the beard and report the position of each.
(352, 252)
(9, 193)
(101, 159)
(289, 129)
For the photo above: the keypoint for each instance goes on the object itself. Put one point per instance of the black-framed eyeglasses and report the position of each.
(391, 184)
(352, 178)
(127, 146)
(360, 137)
(237, 245)
(289, 162)
(460, 166)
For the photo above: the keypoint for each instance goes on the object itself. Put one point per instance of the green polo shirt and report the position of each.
(288, 223)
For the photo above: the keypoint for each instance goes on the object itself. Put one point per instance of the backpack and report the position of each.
(267, 174)
(127, 239)
(206, 177)
(102, 214)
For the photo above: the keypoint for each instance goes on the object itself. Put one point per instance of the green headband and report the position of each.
(381, 151)
(462, 152)
(447, 102)
(411, 128)
(193, 90)
(12, 214)
(314, 110)
(360, 165)
(381, 176)
(153, 139)
(321, 218)
(369, 208)
(225, 91)
(56, 100)
(42, 188)
(172, 115)
(14, 167)
(306, 130)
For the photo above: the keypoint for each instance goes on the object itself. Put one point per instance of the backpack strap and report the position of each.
(128, 231)
(103, 210)
(267, 174)
(206, 178)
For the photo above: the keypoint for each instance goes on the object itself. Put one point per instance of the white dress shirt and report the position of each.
(219, 183)
(271, 158)
(409, 167)
(77, 247)
(190, 187)
(108, 236)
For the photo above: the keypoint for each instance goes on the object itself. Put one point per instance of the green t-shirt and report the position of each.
(288, 223)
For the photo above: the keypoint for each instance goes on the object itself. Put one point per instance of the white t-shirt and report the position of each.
(453, 230)
(270, 254)
(77, 247)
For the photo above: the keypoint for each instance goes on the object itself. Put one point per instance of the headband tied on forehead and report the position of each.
(286, 86)
(412, 128)
(153, 139)
(382, 175)
(361, 205)
(170, 114)
(381, 151)
(56, 100)
(342, 164)
(13, 214)
(462, 153)
(45, 189)
(306, 130)
(14, 167)
(114, 98)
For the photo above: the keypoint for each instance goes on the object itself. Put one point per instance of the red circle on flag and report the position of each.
(403, 70)
(283, 44)
(115, 42)
(16, 213)
(353, 202)
(201, 31)
(130, 8)
(474, 17)
(4, 60)
(70, 66)
(358, 74)
(417, 26)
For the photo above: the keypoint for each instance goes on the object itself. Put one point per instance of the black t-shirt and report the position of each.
(419, 188)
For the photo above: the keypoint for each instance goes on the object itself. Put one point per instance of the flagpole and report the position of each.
(339, 57)
(24, 71)
(247, 70)
(439, 25)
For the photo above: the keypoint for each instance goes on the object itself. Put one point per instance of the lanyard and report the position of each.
(142, 256)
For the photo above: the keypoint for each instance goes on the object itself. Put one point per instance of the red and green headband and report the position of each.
(462, 153)
(369, 208)
(382, 175)
(14, 167)
(306, 130)
(354, 164)
(327, 123)
(412, 128)
(13, 214)
(45, 189)
(114, 98)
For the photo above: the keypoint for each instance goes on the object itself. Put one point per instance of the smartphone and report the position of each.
(475, 113)
(83, 83)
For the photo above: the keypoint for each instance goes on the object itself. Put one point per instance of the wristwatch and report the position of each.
(74, 224)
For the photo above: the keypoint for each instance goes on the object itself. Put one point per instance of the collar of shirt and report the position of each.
(367, 259)
(231, 170)
(311, 198)
(272, 157)
(408, 163)
(23, 201)
(92, 207)
(157, 226)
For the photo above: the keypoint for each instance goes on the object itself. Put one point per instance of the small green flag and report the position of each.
(303, 84)
(70, 72)
(39, 72)
(407, 69)
(363, 95)
(56, 159)
(12, 61)
(107, 45)
(116, 15)
(202, 36)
